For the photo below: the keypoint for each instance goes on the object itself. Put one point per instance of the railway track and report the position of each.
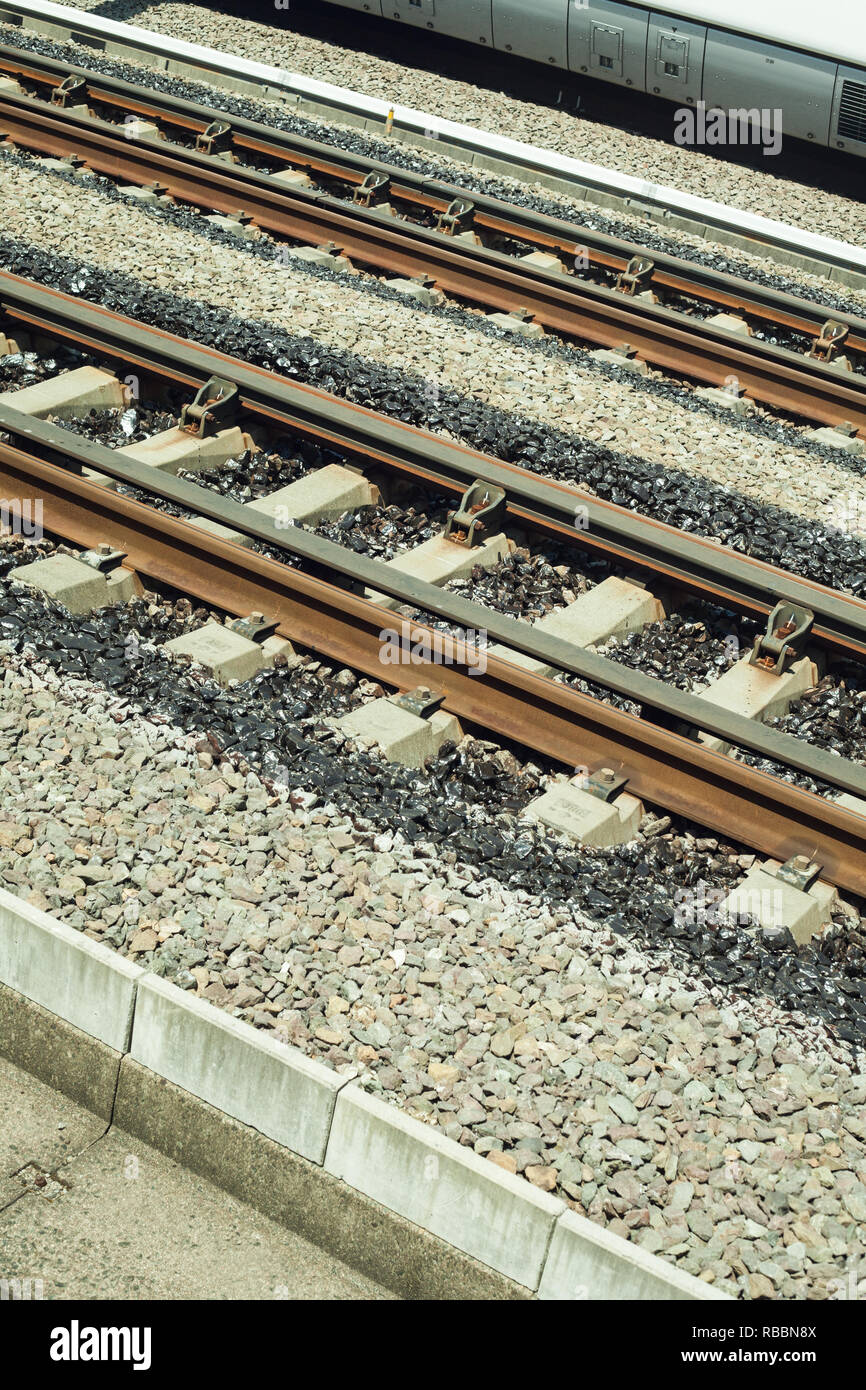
(542, 273)
(609, 188)
(324, 599)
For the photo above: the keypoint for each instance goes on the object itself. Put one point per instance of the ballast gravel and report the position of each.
(723, 1134)
(658, 161)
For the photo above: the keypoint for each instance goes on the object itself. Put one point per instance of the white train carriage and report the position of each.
(805, 59)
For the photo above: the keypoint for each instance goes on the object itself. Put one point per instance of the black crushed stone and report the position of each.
(381, 533)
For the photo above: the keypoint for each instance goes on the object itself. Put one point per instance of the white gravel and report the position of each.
(690, 170)
(50, 213)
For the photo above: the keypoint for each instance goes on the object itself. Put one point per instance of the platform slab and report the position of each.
(586, 818)
(68, 395)
(402, 736)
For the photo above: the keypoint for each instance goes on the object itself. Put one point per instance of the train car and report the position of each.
(805, 60)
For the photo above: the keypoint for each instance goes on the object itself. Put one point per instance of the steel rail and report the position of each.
(693, 563)
(662, 766)
(665, 338)
(674, 273)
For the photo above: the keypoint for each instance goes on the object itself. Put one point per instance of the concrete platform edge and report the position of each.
(350, 1201)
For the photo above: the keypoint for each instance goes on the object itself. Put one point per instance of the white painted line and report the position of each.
(484, 143)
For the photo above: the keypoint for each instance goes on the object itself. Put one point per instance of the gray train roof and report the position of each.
(831, 28)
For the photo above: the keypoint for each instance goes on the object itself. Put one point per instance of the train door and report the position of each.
(465, 19)
(675, 58)
(538, 29)
(608, 40)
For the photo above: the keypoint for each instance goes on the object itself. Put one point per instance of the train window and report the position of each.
(672, 69)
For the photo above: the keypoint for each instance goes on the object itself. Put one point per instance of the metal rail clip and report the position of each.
(71, 86)
(481, 510)
(788, 626)
(457, 217)
(374, 189)
(215, 139)
(604, 784)
(829, 341)
(214, 407)
(256, 627)
(103, 558)
(637, 275)
(800, 872)
(421, 701)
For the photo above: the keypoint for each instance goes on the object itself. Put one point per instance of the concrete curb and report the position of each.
(730, 226)
(587, 1261)
(317, 1124)
(76, 978)
(254, 1078)
(436, 1183)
